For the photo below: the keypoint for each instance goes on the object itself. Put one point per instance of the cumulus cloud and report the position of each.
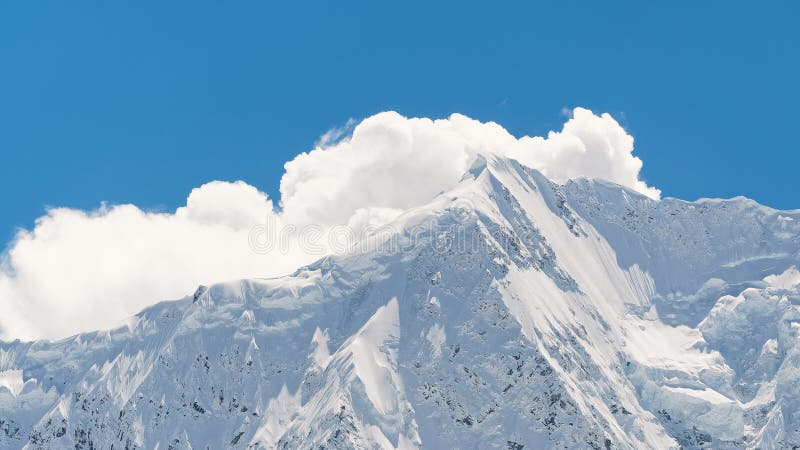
(78, 271)
(395, 162)
(388, 162)
(588, 146)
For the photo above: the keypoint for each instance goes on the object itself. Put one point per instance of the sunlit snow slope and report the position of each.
(540, 316)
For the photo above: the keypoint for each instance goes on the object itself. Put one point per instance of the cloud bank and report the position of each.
(78, 271)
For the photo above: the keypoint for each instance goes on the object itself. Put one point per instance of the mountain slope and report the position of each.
(509, 312)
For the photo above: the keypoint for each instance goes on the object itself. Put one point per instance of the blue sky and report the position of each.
(141, 101)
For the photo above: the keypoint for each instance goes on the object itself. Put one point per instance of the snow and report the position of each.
(585, 316)
(375, 362)
(786, 280)
(12, 381)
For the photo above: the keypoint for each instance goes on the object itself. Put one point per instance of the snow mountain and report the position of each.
(528, 315)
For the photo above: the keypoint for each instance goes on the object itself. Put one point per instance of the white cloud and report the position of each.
(389, 162)
(237, 205)
(335, 134)
(587, 146)
(78, 271)
(395, 162)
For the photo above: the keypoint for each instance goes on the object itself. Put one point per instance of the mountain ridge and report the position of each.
(586, 315)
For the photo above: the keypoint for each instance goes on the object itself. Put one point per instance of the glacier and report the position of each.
(543, 315)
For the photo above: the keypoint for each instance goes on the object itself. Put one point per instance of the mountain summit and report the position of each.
(510, 312)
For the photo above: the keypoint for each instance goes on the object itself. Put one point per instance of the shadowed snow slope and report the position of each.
(582, 315)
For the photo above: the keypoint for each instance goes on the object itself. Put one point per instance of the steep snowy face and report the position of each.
(510, 312)
(694, 251)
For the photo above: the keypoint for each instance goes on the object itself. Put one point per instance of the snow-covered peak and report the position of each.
(509, 312)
